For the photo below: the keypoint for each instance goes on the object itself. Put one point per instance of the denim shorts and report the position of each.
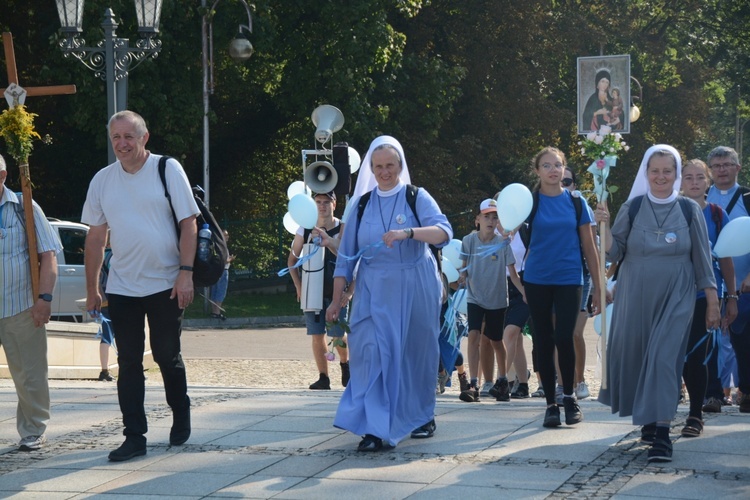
(585, 292)
(316, 322)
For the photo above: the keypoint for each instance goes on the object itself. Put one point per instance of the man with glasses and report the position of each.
(735, 199)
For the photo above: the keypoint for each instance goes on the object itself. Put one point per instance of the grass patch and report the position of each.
(250, 305)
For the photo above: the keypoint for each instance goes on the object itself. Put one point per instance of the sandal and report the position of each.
(693, 427)
(370, 443)
(660, 451)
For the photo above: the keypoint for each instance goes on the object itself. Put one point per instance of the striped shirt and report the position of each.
(15, 274)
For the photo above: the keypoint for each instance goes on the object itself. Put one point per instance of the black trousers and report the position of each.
(694, 372)
(564, 301)
(128, 315)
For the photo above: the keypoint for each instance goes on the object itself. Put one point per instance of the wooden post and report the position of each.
(28, 211)
(603, 297)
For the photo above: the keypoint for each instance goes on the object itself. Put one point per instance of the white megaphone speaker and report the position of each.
(328, 119)
(321, 177)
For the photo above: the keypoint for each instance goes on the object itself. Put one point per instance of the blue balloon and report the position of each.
(303, 210)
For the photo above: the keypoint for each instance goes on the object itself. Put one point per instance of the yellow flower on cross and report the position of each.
(17, 128)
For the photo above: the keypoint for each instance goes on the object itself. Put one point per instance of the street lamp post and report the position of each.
(112, 58)
(240, 49)
(739, 144)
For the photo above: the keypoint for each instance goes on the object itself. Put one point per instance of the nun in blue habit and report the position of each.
(395, 316)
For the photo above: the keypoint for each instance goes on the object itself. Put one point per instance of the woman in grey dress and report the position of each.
(665, 258)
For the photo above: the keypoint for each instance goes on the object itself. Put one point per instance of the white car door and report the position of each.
(71, 277)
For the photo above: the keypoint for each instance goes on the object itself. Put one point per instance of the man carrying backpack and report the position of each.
(328, 229)
(151, 273)
(735, 200)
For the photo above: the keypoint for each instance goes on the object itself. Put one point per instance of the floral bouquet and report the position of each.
(17, 128)
(602, 147)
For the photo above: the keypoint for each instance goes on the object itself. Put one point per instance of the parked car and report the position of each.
(71, 276)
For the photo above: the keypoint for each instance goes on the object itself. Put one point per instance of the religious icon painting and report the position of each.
(604, 93)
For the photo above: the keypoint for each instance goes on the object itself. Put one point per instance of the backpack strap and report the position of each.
(741, 191)
(363, 200)
(163, 177)
(716, 216)
(411, 200)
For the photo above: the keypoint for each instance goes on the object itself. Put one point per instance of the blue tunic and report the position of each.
(395, 320)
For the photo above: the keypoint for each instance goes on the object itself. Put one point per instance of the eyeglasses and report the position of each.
(567, 181)
(721, 166)
(550, 166)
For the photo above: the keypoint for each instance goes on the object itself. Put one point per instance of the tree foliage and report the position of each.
(472, 90)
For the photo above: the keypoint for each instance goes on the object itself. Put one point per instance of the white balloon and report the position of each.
(289, 223)
(450, 272)
(354, 160)
(297, 187)
(303, 211)
(734, 239)
(514, 205)
(452, 252)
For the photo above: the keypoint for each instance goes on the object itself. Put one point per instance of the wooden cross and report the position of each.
(10, 63)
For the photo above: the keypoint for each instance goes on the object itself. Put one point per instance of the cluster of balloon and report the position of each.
(302, 209)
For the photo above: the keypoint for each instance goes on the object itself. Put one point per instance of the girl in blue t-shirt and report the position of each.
(553, 278)
(695, 183)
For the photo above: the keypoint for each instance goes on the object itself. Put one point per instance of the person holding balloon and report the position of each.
(553, 278)
(327, 229)
(695, 181)
(726, 192)
(664, 256)
(487, 293)
(395, 318)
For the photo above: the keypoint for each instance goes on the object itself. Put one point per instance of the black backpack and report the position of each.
(204, 273)
(411, 200)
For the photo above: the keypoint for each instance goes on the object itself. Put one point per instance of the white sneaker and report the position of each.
(559, 395)
(31, 443)
(582, 391)
(484, 392)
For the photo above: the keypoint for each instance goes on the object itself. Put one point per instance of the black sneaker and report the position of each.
(344, 374)
(104, 376)
(470, 395)
(323, 383)
(426, 431)
(521, 392)
(500, 391)
(463, 382)
(180, 431)
(660, 451)
(744, 403)
(552, 416)
(131, 448)
(573, 414)
(713, 405)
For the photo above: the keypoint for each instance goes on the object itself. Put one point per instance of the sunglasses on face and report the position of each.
(567, 181)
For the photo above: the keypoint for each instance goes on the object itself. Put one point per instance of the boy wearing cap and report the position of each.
(328, 228)
(487, 295)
